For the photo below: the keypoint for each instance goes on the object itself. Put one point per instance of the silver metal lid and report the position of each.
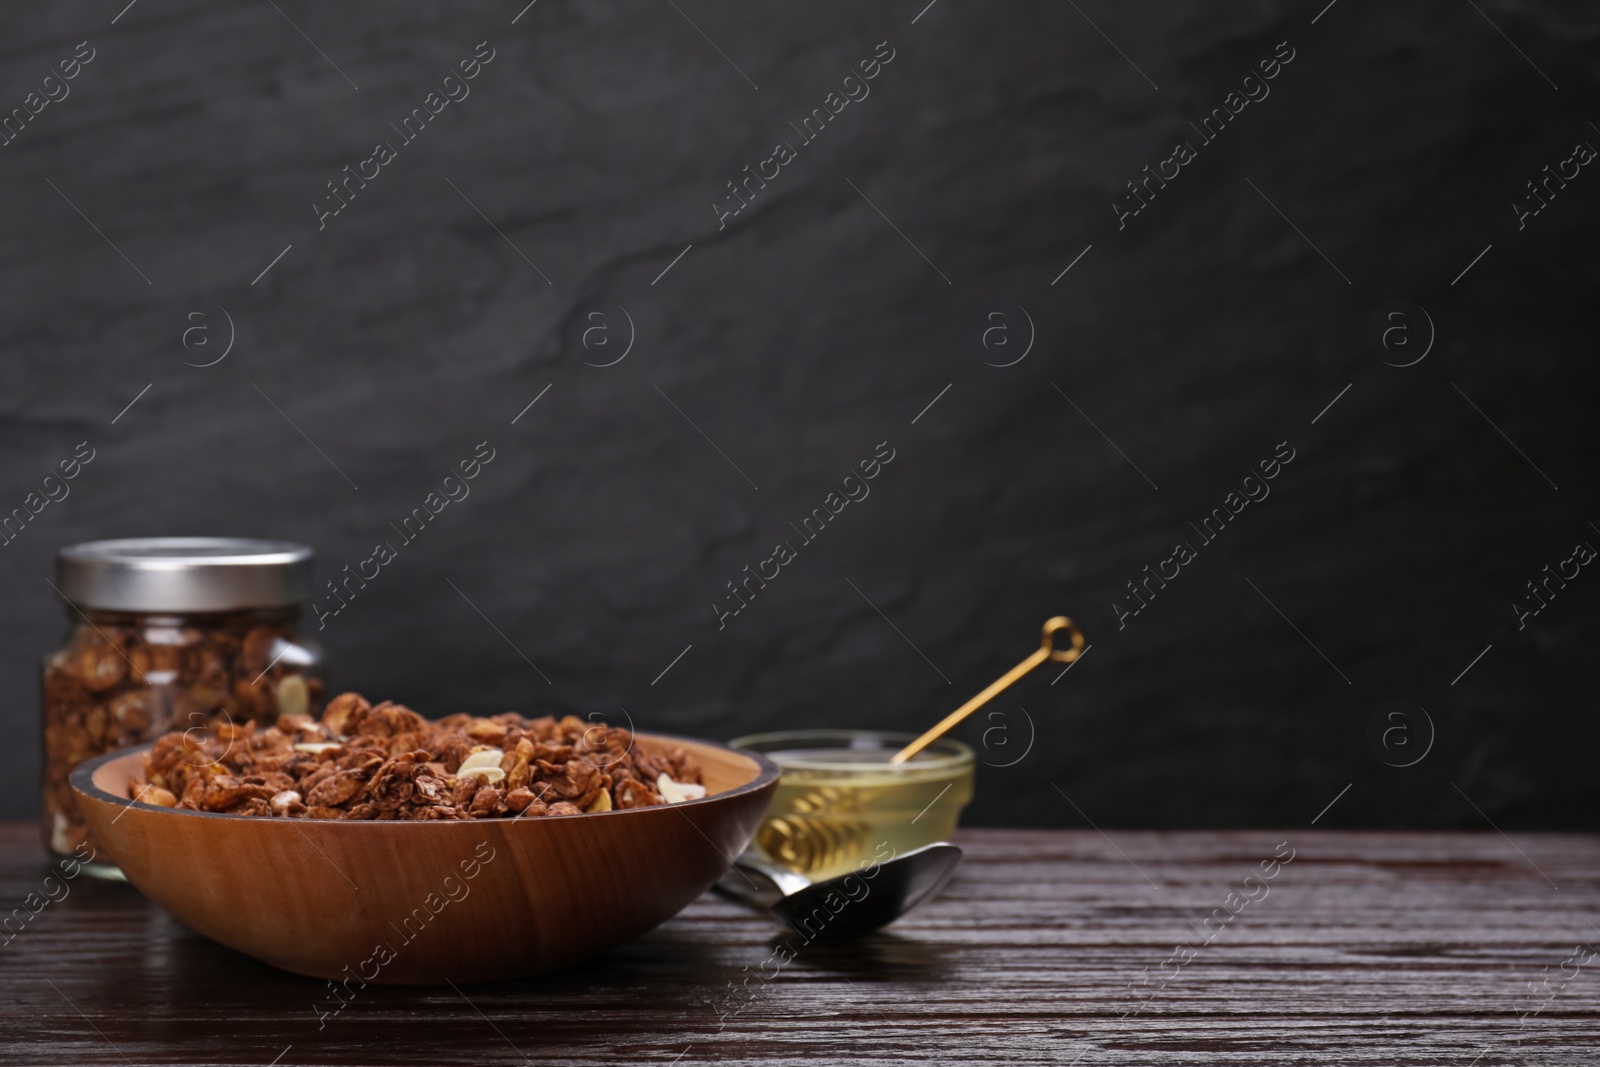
(184, 574)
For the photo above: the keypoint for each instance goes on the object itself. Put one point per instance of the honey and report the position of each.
(840, 799)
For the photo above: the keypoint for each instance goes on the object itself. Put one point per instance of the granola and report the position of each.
(384, 761)
(122, 679)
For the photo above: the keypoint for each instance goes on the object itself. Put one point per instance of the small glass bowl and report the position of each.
(841, 804)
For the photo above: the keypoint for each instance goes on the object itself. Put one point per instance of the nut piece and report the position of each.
(601, 802)
(154, 794)
(288, 803)
(101, 665)
(485, 764)
(293, 697)
(678, 792)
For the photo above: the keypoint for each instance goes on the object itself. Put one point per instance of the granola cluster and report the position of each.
(384, 761)
(122, 679)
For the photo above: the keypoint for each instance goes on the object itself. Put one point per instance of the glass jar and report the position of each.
(169, 633)
(841, 804)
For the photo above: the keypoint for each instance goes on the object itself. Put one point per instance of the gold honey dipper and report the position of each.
(1047, 650)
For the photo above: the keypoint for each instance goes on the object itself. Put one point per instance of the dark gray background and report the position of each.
(1197, 338)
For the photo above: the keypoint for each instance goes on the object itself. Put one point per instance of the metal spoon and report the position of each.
(850, 905)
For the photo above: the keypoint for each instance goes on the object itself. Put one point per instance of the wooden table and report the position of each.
(1364, 948)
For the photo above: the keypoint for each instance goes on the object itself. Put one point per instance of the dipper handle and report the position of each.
(1047, 650)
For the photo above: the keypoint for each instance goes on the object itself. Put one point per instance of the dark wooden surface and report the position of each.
(1369, 948)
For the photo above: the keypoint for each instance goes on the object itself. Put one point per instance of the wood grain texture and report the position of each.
(1366, 949)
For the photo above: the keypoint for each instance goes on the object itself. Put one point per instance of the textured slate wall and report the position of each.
(456, 287)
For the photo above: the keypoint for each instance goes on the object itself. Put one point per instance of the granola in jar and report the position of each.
(170, 634)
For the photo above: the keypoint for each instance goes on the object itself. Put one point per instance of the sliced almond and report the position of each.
(317, 747)
(485, 763)
(677, 792)
(668, 789)
(293, 698)
(601, 802)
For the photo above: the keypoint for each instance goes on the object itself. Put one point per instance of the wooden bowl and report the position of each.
(420, 903)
